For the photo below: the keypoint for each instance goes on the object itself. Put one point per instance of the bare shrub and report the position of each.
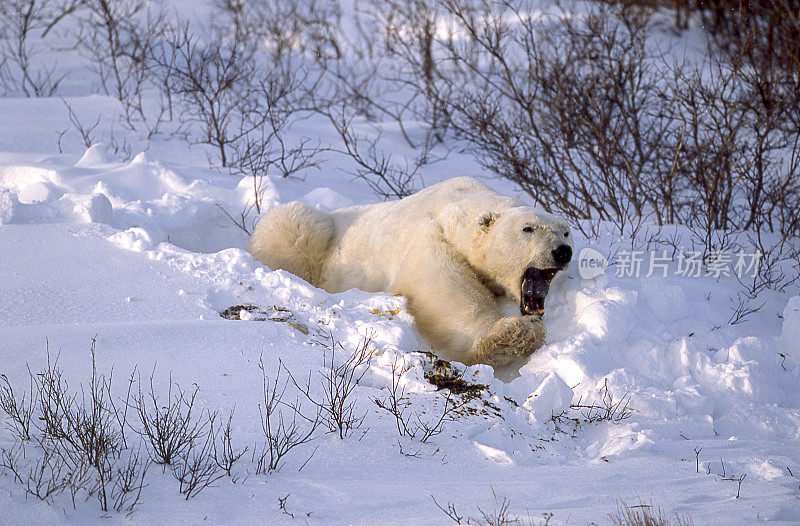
(727, 477)
(410, 423)
(284, 39)
(196, 466)
(405, 57)
(778, 265)
(118, 37)
(580, 112)
(737, 158)
(121, 414)
(82, 449)
(547, 103)
(385, 177)
(500, 515)
(743, 308)
(775, 266)
(265, 150)
(336, 406)
(129, 483)
(169, 427)
(43, 478)
(86, 132)
(450, 511)
(282, 434)
(646, 515)
(213, 82)
(225, 455)
(234, 99)
(19, 410)
(606, 408)
(23, 26)
(79, 441)
(268, 150)
(82, 431)
(586, 120)
(770, 30)
(738, 479)
(347, 80)
(290, 29)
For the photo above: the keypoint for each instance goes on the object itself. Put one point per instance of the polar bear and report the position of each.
(453, 250)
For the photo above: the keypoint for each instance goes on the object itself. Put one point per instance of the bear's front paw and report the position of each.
(508, 339)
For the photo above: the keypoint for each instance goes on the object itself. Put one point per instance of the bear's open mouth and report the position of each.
(535, 286)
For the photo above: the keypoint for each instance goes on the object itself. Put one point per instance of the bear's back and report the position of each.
(375, 243)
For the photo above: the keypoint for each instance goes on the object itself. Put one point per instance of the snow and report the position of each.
(140, 255)
(790, 333)
(552, 397)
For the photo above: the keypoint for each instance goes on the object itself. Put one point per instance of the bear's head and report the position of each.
(521, 251)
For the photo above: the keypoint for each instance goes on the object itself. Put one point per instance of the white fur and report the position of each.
(450, 249)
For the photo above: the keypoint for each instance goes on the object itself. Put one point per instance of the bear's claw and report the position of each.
(508, 339)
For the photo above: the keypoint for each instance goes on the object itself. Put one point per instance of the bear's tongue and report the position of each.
(535, 286)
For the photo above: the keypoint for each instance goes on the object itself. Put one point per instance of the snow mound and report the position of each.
(94, 208)
(96, 155)
(169, 203)
(137, 239)
(8, 201)
(325, 199)
(552, 397)
(666, 300)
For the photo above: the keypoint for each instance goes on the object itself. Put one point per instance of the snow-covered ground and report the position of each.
(139, 255)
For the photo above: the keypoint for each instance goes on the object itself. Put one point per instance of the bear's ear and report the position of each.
(487, 220)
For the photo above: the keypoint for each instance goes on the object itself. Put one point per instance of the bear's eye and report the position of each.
(566, 234)
(528, 229)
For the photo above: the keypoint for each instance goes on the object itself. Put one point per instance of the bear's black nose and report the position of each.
(562, 255)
